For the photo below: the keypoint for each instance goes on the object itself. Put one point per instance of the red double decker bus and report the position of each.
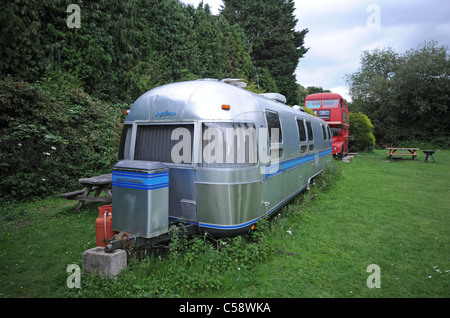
(333, 109)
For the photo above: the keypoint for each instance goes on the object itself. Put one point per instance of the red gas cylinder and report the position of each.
(103, 225)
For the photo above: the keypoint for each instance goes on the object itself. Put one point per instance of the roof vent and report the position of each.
(299, 108)
(207, 79)
(235, 81)
(275, 96)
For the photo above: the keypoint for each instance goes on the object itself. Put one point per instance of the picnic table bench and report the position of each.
(393, 152)
(97, 184)
(429, 153)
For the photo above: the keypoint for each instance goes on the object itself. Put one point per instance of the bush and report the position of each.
(52, 134)
(361, 132)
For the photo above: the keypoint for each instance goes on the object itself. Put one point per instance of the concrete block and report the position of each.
(96, 260)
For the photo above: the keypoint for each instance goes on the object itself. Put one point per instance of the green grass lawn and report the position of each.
(392, 214)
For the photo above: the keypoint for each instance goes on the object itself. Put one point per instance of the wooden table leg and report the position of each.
(108, 193)
(86, 192)
(98, 191)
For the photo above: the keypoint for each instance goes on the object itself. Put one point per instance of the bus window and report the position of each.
(312, 103)
(330, 103)
(336, 131)
(345, 117)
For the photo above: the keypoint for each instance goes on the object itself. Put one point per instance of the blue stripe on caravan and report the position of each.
(228, 227)
(325, 152)
(271, 171)
(140, 181)
(140, 175)
(217, 226)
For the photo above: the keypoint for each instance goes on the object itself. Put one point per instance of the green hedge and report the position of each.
(52, 134)
(361, 132)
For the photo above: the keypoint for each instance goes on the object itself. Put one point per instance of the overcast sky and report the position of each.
(339, 31)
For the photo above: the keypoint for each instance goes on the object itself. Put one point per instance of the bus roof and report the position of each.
(318, 96)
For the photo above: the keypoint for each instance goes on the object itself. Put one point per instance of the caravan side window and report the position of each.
(275, 134)
(324, 133)
(310, 131)
(125, 140)
(274, 126)
(310, 136)
(302, 135)
(301, 130)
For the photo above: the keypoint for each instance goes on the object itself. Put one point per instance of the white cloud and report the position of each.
(339, 32)
(343, 91)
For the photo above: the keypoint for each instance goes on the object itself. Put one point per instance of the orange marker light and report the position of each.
(226, 107)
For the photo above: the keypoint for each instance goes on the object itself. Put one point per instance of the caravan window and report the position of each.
(274, 126)
(226, 145)
(302, 135)
(125, 140)
(301, 130)
(324, 133)
(310, 131)
(275, 134)
(310, 136)
(164, 143)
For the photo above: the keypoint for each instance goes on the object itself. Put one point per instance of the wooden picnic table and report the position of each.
(97, 184)
(395, 151)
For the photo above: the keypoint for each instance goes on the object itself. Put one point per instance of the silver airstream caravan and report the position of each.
(214, 156)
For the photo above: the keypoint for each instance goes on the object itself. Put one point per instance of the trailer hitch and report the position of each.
(130, 242)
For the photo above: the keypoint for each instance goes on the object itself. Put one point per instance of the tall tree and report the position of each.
(372, 92)
(276, 45)
(123, 48)
(406, 96)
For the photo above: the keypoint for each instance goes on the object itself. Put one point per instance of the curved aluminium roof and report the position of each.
(201, 99)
